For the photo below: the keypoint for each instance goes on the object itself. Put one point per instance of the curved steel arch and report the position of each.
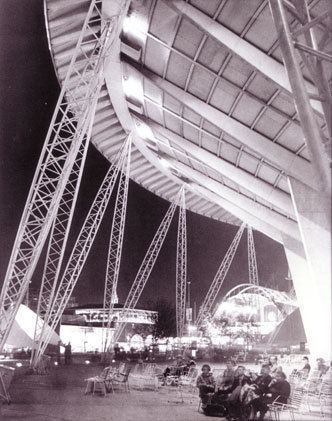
(270, 294)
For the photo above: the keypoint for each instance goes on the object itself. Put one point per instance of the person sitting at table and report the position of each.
(278, 390)
(206, 384)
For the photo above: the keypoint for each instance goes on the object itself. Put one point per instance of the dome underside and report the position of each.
(175, 50)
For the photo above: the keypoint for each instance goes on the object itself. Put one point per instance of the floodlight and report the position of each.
(135, 25)
(132, 88)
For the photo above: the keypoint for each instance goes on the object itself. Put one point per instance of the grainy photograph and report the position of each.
(165, 210)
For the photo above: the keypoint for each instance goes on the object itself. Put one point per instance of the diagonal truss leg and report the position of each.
(219, 278)
(252, 263)
(181, 268)
(70, 125)
(115, 246)
(146, 267)
(79, 254)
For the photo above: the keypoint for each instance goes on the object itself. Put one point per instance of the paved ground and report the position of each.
(59, 396)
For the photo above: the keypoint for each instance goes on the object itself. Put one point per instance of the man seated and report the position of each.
(227, 400)
(305, 370)
(225, 380)
(206, 384)
(321, 366)
(278, 390)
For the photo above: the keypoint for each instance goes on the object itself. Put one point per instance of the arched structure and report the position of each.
(237, 117)
(272, 295)
(252, 303)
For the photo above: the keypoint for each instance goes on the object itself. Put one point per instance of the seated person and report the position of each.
(277, 391)
(229, 398)
(206, 384)
(274, 366)
(305, 370)
(187, 367)
(321, 367)
(259, 386)
(226, 379)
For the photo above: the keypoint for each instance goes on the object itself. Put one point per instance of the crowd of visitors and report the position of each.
(236, 393)
(241, 394)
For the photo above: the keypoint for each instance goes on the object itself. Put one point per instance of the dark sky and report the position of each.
(29, 90)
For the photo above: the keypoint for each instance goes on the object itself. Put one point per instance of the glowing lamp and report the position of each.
(56, 363)
(132, 88)
(87, 362)
(18, 364)
(134, 25)
(144, 130)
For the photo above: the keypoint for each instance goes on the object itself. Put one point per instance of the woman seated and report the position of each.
(228, 399)
(206, 384)
(278, 390)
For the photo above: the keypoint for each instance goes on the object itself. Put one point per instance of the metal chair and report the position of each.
(293, 406)
(325, 396)
(120, 381)
(97, 383)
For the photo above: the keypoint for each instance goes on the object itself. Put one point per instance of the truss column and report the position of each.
(80, 252)
(181, 268)
(219, 278)
(308, 121)
(58, 240)
(146, 266)
(70, 123)
(115, 245)
(252, 262)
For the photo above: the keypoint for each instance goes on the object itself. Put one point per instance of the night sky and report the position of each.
(29, 91)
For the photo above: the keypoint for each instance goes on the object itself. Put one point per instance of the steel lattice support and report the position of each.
(147, 265)
(181, 268)
(115, 245)
(80, 253)
(57, 242)
(70, 124)
(252, 263)
(312, 57)
(206, 307)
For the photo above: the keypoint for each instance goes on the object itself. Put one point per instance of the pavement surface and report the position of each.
(59, 396)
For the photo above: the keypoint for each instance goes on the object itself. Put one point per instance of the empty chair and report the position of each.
(120, 380)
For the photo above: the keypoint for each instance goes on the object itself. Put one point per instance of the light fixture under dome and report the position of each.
(133, 89)
(135, 25)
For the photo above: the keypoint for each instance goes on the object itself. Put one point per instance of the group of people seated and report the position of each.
(240, 394)
(179, 368)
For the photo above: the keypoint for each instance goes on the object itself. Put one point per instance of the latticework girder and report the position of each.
(206, 307)
(70, 123)
(57, 242)
(252, 263)
(80, 252)
(181, 268)
(115, 245)
(147, 265)
(302, 43)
